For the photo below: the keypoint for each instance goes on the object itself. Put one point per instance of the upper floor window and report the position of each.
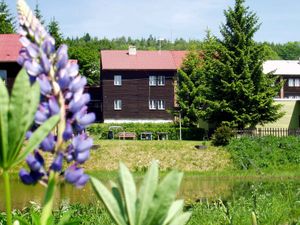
(118, 104)
(161, 105)
(152, 104)
(161, 80)
(297, 82)
(117, 80)
(152, 80)
(294, 82)
(3, 75)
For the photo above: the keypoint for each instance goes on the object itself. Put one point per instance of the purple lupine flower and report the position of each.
(48, 143)
(45, 85)
(76, 176)
(57, 163)
(62, 93)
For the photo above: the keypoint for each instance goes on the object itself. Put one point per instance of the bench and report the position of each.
(126, 135)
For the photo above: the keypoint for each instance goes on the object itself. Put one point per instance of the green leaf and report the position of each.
(37, 137)
(109, 201)
(163, 198)
(4, 101)
(129, 191)
(18, 110)
(28, 115)
(181, 219)
(146, 192)
(118, 196)
(175, 210)
(35, 219)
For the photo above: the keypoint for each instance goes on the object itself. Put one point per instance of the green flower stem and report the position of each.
(49, 198)
(7, 197)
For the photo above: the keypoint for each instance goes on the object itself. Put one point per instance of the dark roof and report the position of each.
(143, 60)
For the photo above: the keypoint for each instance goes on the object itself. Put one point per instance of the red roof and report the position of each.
(143, 60)
(9, 47)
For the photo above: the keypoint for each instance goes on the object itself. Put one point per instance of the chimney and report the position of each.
(132, 50)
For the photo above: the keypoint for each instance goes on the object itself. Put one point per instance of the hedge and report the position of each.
(100, 130)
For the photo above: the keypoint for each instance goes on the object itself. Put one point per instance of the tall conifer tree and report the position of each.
(236, 90)
(6, 19)
(54, 30)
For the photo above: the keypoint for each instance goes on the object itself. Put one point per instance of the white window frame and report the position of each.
(3, 75)
(117, 104)
(291, 82)
(152, 104)
(152, 80)
(161, 80)
(161, 105)
(118, 80)
(297, 82)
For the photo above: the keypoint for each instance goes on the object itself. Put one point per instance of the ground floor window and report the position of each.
(152, 104)
(3, 75)
(161, 105)
(118, 104)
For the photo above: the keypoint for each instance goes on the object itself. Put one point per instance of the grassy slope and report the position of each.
(137, 155)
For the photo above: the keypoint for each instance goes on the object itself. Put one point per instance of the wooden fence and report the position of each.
(259, 132)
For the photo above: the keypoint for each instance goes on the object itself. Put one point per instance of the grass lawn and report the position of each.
(137, 155)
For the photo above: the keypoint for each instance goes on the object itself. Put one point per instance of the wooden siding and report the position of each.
(12, 71)
(290, 91)
(135, 94)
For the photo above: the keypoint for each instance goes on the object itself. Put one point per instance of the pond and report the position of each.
(193, 189)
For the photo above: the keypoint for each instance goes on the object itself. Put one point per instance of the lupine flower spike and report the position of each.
(62, 93)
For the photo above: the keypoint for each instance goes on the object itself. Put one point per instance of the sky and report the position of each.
(166, 19)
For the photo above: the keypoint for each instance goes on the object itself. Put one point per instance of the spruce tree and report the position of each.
(6, 19)
(54, 31)
(188, 89)
(38, 13)
(236, 90)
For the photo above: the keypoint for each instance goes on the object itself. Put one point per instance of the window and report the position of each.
(297, 82)
(152, 104)
(152, 80)
(3, 75)
(161, 80)
(117, 80)
(118, 104)
(161, 104)
(291, 82)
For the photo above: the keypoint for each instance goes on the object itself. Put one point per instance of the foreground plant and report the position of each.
(62, 94)
(154, 203)
(16, 117)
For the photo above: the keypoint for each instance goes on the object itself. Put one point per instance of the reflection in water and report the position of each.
(193, 188)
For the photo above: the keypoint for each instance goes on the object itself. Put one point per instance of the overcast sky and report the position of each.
(169, 19)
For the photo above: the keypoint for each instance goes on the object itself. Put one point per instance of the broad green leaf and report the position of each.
(48, 200)
(163, 198)
(27, 120)
(4, 101)
(175, 210)
(37, 137)
(117, 193)
(18, 110)
(109, 201)
(181, 219)
(146, 192)
(129, 191)
(35, 219)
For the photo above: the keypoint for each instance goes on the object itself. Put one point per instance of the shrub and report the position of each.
(222, 136)
(265, 152)
(100, 130)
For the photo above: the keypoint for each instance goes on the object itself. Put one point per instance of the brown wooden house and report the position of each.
(9, 51)
(138, 86)
(288, 71)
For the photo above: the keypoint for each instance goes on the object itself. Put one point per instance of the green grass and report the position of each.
(137, 155)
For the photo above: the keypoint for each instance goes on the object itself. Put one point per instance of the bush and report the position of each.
(265, 152)
(100, 130)
(222, 136)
